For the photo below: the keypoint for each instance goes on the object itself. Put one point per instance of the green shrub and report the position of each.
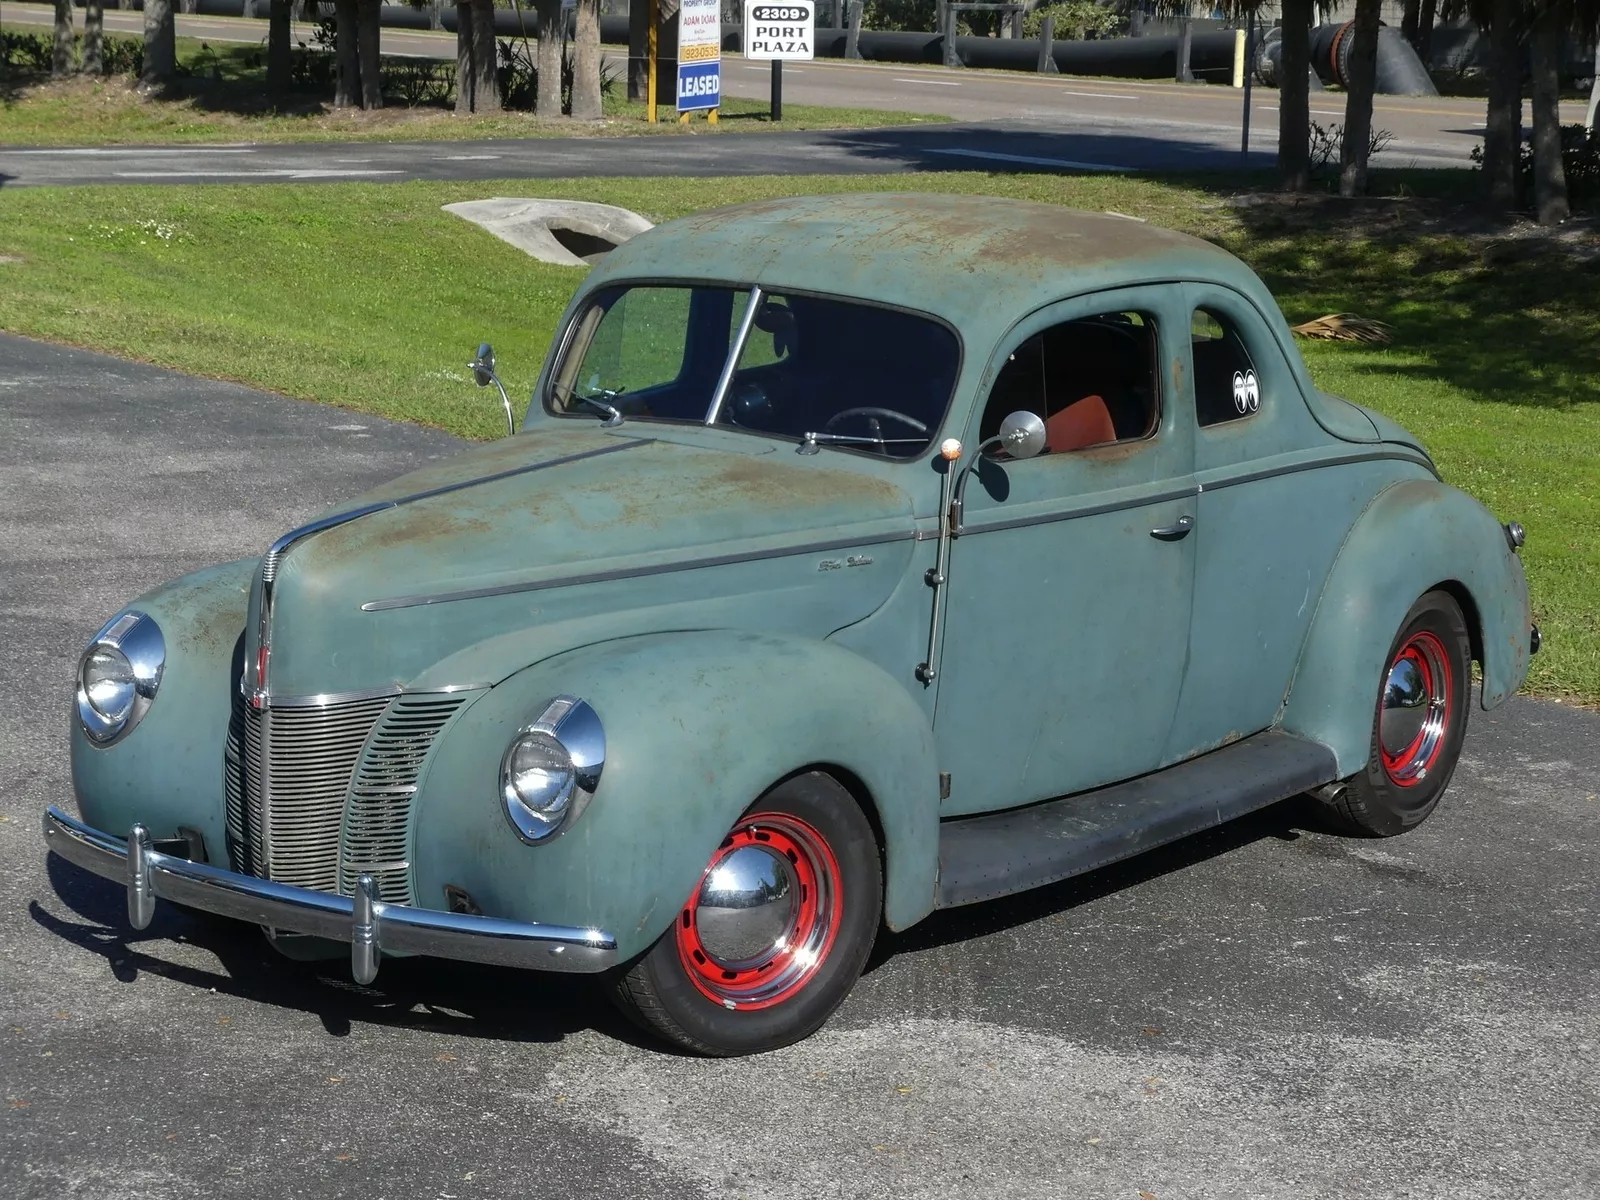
(1077, 19)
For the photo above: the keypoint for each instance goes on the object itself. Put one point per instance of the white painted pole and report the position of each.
(1238, 58)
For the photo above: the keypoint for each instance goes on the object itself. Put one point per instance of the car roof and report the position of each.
(973, 260)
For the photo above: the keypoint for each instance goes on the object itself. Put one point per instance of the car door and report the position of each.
(1278, 494)
(1069, 584)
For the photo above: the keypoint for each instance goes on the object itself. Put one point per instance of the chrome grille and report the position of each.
(298, 763)
(377, 819)
(235, 786)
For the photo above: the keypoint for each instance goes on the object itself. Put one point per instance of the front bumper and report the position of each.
(366, 923)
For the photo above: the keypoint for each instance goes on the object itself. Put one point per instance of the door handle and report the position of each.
(1174, 533)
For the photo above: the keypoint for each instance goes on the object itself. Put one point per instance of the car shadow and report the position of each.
(503, 1004)
(467, 1000)
(1284, 822)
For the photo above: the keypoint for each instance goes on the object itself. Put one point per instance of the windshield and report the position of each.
(815, 369)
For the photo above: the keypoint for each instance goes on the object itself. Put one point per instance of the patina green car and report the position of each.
(857, 557)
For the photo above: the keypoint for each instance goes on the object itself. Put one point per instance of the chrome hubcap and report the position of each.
(746, 905)
(765, 915)
(1414, 712)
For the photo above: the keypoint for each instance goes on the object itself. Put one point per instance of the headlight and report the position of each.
(551, 769)
(118, 676)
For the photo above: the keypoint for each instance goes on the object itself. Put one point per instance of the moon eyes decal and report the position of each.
(1246, 392)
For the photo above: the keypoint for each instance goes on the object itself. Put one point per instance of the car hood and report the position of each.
(561, 537)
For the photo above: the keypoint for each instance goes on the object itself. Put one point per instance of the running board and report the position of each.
(998, 854)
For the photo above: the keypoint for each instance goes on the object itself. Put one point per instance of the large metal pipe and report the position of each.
(1400, 72)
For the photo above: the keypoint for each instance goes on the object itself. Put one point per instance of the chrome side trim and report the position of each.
(368, 926)
(1087, 510)
(687, 564)
(523, 470)
(1341, 460)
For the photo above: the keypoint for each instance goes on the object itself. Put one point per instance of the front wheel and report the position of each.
(1419, 725)
(776, 931)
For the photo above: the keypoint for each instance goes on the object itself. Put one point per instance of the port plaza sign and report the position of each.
(778, 32)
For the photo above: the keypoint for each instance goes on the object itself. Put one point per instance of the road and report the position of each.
(1269, 1011)
(1103, 123)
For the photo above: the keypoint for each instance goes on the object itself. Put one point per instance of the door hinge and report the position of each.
(944, 785)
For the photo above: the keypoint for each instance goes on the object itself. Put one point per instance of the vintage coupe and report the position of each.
(858, 556)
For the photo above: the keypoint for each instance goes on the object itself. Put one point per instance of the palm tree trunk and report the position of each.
(586, 62)
(1549, 177)
(61, 49)
(278, 38)
(464, 75)
(1410, 20)
(1182, 73)
(368, 52)
(485, 59)
(1294, 101)
(1357, 139)
(160, 48)
(1430, 10)
(94, 39)
(1502, 131)
(346, 56)
(548, 103)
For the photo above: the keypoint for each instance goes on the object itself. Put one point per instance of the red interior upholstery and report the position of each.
(1085, 422)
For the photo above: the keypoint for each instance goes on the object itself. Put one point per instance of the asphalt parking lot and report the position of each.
(1269, 1011)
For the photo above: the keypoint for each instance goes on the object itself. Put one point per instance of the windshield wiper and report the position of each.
(613, 416)
(809, 442)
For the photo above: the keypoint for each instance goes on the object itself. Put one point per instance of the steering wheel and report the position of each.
(873, 415)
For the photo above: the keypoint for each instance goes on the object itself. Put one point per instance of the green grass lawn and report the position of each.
(367, 296)
(223, 100)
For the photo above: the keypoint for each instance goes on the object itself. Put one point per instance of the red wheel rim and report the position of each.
(1414, 709)
(765, 914)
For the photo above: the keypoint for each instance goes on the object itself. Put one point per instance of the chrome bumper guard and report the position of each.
(368, 924)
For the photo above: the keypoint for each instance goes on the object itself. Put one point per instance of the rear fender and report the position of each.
(1415, 536)
(697, 725)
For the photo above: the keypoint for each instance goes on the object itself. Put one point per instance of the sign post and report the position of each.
(779, 30)
(699, 57)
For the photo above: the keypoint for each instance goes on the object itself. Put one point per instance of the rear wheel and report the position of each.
(776, 931)
(1420, 723)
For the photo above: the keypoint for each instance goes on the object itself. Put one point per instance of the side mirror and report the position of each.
(1022, 434)
(482, 365)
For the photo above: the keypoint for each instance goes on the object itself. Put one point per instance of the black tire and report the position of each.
(677, 991)
(1402, 783)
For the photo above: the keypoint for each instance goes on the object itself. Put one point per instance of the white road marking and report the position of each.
(305, 173)
(1030, 159)
(1101, 95)
(120, 150)
(929, 82)
(469, 157)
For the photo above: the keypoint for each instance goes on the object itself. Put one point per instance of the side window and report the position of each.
(1093, 381)
(1226, 386)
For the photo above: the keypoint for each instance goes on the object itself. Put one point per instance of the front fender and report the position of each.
(168, 771)
(1414, 536)
(698, 725)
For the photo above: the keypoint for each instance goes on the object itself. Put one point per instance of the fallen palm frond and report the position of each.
(1347, 327)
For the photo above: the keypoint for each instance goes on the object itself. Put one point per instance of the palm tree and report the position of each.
(160, 47)
(1294, 97)
(368, 52)
(1363, 72)
(278, 38)
(61, 47)
(586, 62)
(548, 101)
